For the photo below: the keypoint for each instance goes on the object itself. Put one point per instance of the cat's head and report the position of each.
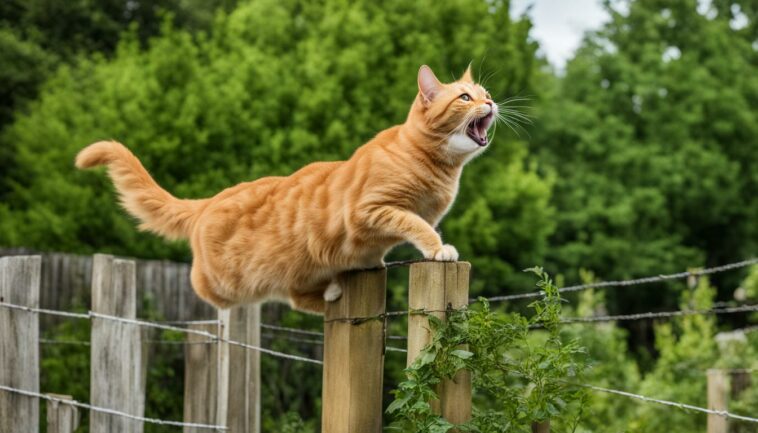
(460, 112)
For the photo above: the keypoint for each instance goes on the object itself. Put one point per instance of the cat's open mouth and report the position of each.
(477, 129)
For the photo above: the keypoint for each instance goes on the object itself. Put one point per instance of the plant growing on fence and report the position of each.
(519, 375)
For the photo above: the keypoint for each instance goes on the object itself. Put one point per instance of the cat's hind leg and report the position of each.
(310, 302)
(204, 289)
(314, 301)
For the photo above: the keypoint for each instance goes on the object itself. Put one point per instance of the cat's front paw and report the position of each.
(332, 292)
(447, 253)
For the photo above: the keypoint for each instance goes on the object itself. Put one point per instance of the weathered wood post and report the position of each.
(739, 380)
(116, 348)
(61, 417)
(541, 426)
(19, 343)
(239, 373)
(437, 286)
(354, 355)
(200, 377)
(718, 397)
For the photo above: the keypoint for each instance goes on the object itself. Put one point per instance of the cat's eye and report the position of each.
(465, 97)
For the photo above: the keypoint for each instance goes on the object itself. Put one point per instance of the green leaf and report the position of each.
(463, 354)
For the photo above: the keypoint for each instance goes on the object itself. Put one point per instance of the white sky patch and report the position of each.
(559, 25)
(671, 53)
(740, 20)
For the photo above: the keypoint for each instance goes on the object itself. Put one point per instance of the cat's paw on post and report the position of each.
(447, 253)
(332, 292)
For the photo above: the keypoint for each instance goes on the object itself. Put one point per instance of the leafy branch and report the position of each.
(519, 374)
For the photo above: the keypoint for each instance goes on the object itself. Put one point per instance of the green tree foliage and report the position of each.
(274, 86)
(37, 36)
(653, 133)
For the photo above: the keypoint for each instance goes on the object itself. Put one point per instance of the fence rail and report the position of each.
(222, 354)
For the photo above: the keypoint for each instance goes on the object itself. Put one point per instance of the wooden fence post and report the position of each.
(541, 426)
(61, 417)
(200, 377)
(718, 397)
(19, 343)
(354, 355)
(739, 381)
(116, 348)
(437, 286)
(239, 382)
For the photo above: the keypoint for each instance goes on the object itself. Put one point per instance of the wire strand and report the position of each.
(205, 334)
(625, 283)
(313, 333)
(44, 311)
(320, 342)
(291, 330)
(683, 406)
(660, 314)
(92, 408)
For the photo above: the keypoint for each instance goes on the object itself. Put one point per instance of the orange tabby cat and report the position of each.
(290, 238)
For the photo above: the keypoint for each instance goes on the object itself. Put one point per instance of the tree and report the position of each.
(274, 85)
(653, 133)
(37, 36)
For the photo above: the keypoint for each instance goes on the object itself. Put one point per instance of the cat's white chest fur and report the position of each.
(461, 144)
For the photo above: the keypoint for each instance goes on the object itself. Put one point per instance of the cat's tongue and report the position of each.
(477, 130)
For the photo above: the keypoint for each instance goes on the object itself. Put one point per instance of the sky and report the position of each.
(560, 24)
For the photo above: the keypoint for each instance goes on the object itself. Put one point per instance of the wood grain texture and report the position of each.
(436, 286)
(116, 373)
(200, 377)
(718, 397)
(67, 281)
(238, 406)
(354, 356)
(19, 343)
(61, 417)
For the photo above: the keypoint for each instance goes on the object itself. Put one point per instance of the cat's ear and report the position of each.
(467, 76)
(428, 84)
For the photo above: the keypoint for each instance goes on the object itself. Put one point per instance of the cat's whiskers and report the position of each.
(512, 115)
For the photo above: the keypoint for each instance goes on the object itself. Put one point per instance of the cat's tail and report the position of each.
(141, 196)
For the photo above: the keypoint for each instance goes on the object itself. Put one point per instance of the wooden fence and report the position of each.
(66, 281)
(222, 380)
(222, 355)
(724, 385)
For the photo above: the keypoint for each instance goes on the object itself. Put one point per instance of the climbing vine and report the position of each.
(521, 369)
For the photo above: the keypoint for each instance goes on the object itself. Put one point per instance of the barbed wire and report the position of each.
(291, 330)
(314, 333)
(191, 322)
(320, 342)
(45, 311)
(293, 339)
(625, 283)
(683, 406)
(660, 314)
(383, 316)
(64, 342)
(92, 314)
(87, 343)
(92, 408)
(205, 334)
